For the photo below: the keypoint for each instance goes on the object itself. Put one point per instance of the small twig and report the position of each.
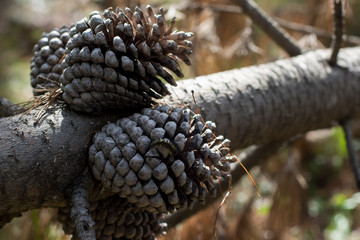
(321, 33)
(351, 151)
(338, 31)
(80, 213)
(270, 26)
(218, 211)
(249, 159)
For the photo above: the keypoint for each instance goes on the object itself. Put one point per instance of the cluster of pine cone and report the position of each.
(111, 60)
(45, 64)
(161, 160)
(158, 161)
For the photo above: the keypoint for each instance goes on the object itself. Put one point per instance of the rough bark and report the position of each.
(255, 105)
(276, 101)
(40, 162)
(80, 213)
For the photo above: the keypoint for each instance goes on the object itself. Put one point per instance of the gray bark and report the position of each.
(254, 105)
(80, 212)
(276, 101)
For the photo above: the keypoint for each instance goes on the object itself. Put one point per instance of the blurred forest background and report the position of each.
(308, 190)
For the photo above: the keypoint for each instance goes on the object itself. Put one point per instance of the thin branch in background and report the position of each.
(303, 28)
(197, 6)
(253, 157)
(338, 31)
(270, 27)
(321, 33)
(80, 213)
(351, 151)
(227, 194)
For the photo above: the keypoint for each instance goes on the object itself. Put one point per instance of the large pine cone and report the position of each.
(117, 59)
(161, 160)
(45, 64)
(115, 218)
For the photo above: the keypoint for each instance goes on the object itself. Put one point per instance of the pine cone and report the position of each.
(117, 60)
(115, 218)
(45, 64)
(161, 160)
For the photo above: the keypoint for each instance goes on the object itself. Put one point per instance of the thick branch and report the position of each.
(276, 101)
(254, 105)
(40, 162)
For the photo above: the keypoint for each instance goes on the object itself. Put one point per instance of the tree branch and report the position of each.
(338, 30)
(80, 212)
(254, 105)
(271, 27)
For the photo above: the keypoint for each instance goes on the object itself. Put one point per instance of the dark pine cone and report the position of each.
(161, 160)
(117, 60)
(45, 64)
(115, 218)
